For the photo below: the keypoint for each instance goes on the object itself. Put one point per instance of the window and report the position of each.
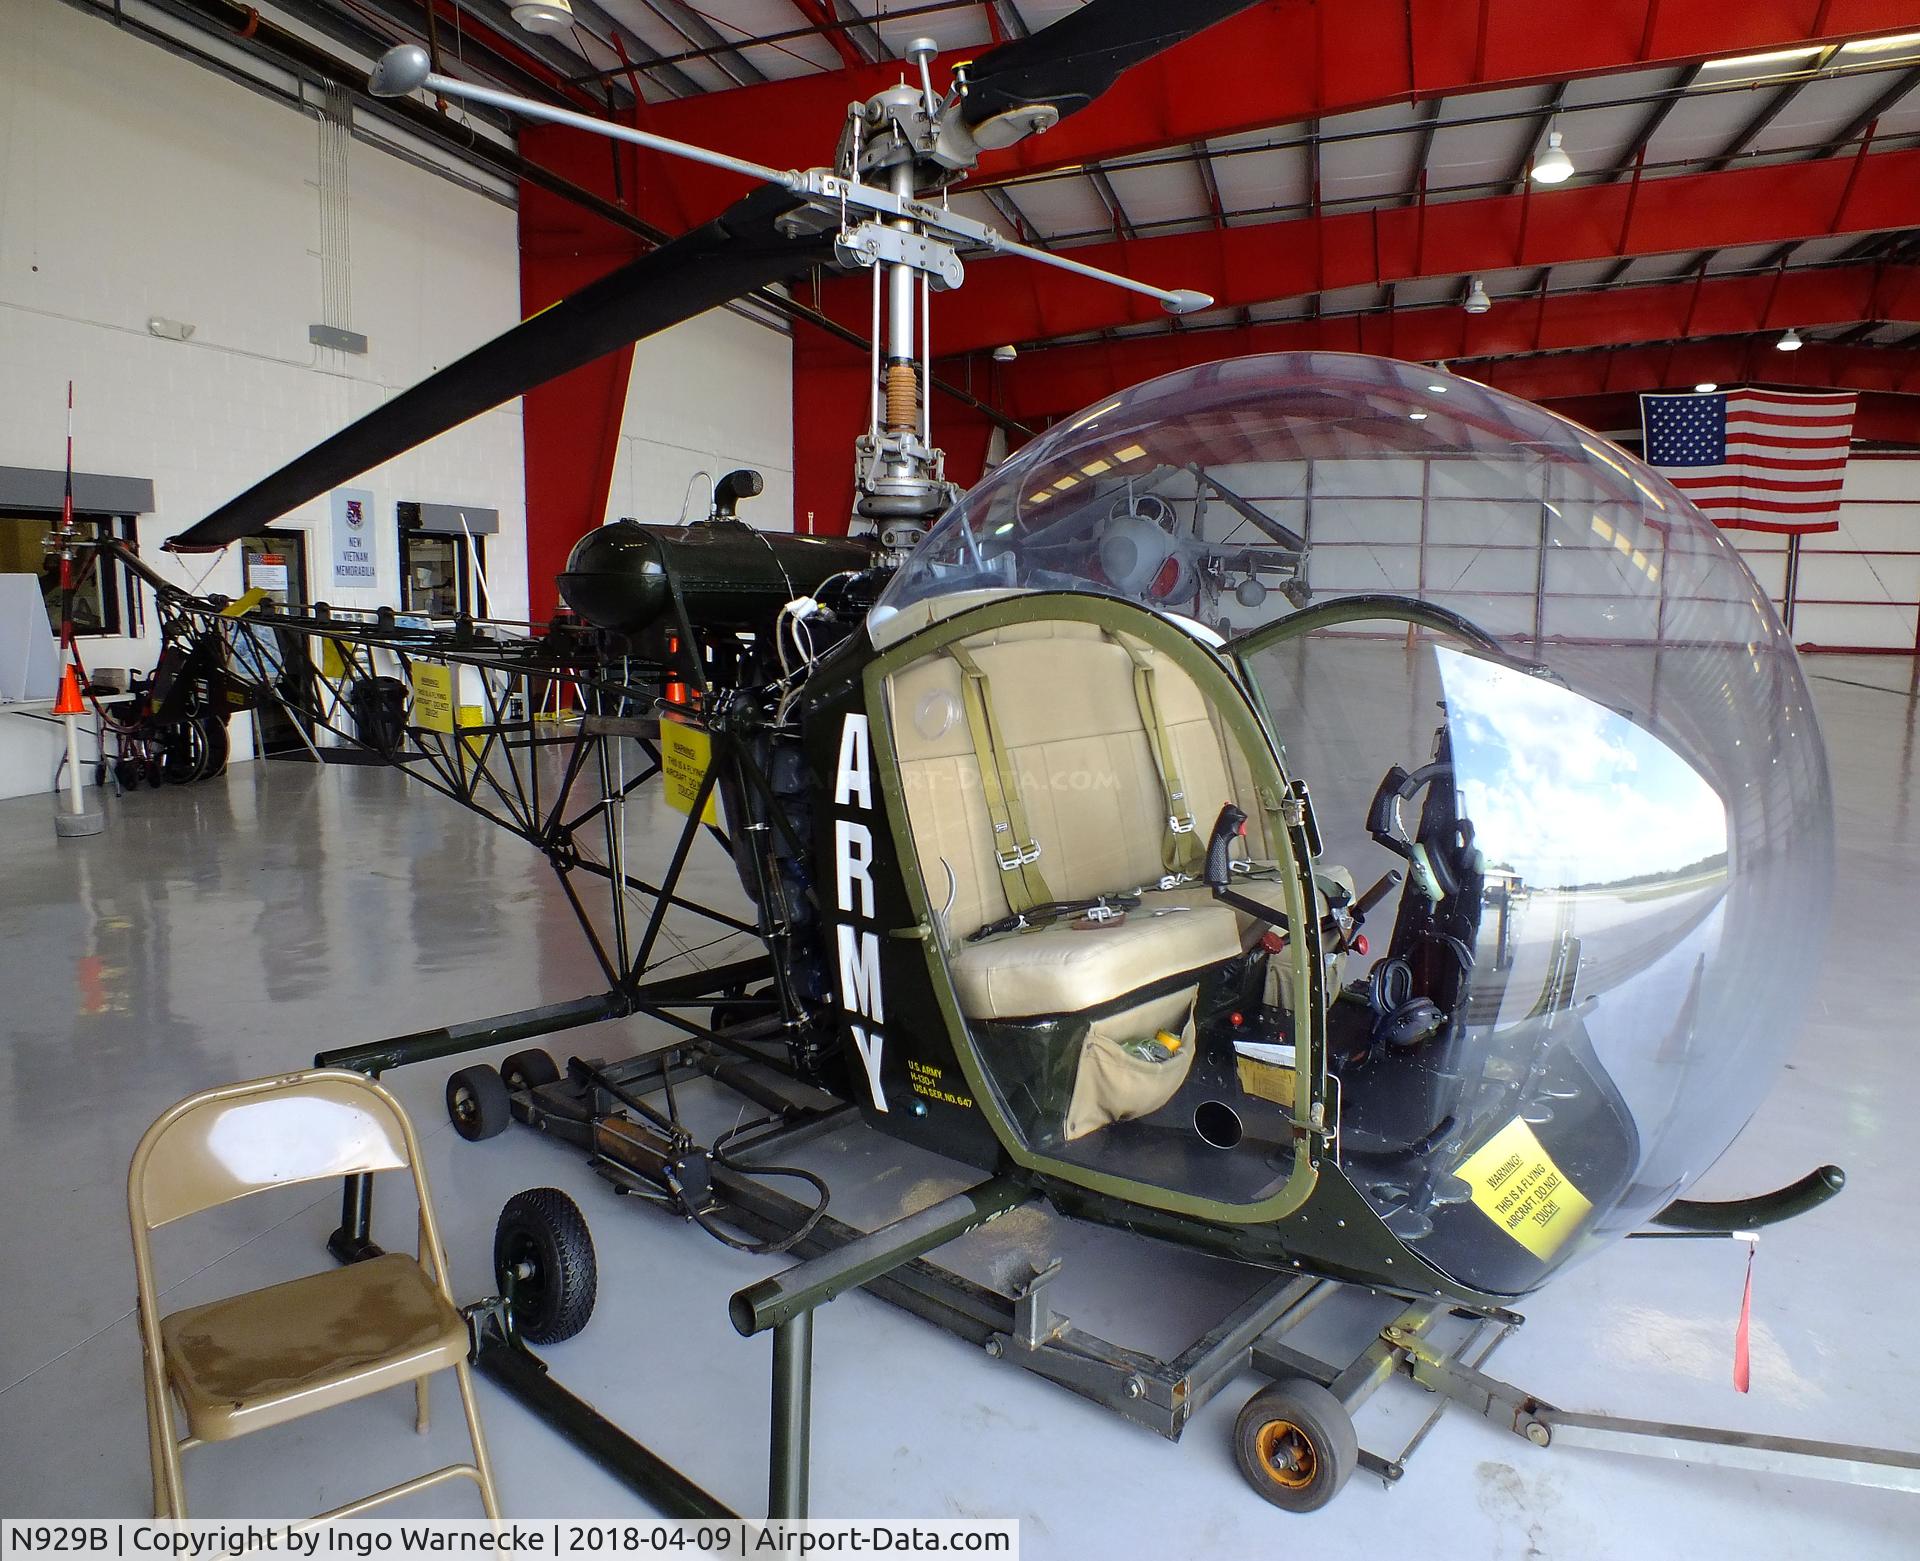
(437, 574)
(104, 603)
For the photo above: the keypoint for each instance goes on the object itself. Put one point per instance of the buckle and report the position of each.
(1174, 880)
(1017, 922)
(1181, 824)
(1019, 857)
(1101, 911)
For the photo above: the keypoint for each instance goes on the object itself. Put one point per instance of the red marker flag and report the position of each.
(1743, 1334)
(67, 581)
(66, 505)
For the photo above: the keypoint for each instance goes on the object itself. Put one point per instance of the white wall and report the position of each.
(134, 184)
(709, 395)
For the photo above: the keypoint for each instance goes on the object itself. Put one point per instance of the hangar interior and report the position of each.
(219, 245)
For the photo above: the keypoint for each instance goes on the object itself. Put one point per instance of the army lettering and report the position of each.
(858, 947)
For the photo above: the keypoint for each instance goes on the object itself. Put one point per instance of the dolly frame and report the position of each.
(893, 1263)
(890, 1262)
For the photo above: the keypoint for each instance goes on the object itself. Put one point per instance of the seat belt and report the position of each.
(1181, 850)
(1014, 847)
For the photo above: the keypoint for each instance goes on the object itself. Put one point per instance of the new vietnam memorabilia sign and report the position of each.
(353, 538)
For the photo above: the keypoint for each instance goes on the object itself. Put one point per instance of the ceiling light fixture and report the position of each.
(544, 16)
(1438, 390)
(1706, 385)
(1417, 416)
(1789, 341)
(1553, 166)
(1477, 301)
(1771, 57)
(1881, 45)
(1006, 352)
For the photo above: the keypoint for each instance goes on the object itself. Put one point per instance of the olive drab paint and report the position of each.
(858, 946)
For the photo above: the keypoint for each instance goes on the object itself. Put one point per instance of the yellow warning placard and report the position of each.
(685, 753)
(333, 662)
(1516, 1185)
(433, 697)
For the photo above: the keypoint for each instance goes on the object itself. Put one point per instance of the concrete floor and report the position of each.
(232, 929)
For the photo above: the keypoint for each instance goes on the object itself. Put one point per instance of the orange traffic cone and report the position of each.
(69, 702)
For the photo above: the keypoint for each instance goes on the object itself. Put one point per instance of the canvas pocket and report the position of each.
(1114, 1085)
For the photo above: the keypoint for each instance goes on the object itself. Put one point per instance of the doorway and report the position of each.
(275, 561)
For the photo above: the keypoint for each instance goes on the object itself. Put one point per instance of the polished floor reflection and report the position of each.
(233, 929)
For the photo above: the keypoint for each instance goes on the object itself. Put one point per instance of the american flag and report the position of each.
(1753, 460)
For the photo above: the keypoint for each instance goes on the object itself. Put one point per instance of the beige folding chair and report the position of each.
(273, 1355)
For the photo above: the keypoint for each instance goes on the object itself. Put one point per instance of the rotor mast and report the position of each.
(901, 145)
(899, 473)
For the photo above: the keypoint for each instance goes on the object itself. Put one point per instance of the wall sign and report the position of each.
(353, 539)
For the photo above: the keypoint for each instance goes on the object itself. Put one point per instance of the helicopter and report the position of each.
(1079, 855)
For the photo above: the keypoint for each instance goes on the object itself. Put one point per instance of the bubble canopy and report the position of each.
(1633, 797)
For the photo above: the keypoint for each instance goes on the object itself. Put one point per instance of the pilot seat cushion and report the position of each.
(1063, 968)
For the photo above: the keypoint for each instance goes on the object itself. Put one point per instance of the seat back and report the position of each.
(238, 1139)
(1063, 692)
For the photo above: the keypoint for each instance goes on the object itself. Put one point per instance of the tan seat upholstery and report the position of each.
(255, 1360)
(1064, 698)
(1063, 969)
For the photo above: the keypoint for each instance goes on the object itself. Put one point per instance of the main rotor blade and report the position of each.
(738, 251)
(1073, 61)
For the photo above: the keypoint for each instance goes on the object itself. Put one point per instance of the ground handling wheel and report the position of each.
(740, 1006)
(543, 1261)
(1295, 1444)
(529, 1069)
(477, 1103)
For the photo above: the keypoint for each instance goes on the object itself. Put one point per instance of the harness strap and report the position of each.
(1014, 847)
(1181, 849)
(1099, 909)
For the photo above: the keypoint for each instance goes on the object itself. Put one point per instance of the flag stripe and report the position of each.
(1766, 506)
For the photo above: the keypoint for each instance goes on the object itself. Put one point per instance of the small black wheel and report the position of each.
(219, 744)
(529, 1069)
(477, 1103)
(184, 753)
(1295, 1444)
(543, 1260)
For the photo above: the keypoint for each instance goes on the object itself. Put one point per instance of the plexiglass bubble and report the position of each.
(1516, 666)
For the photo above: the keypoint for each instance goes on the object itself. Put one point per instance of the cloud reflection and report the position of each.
(1568, 793)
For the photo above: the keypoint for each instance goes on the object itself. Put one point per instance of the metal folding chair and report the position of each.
(269, 1356)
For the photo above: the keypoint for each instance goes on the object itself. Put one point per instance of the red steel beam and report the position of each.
(1285, 61)
(1058, 380)
(821, 15)
(1557, 377)
(1878, 417)
(1250, 265)
(571, 425)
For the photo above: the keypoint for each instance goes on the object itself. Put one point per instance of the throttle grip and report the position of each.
(1231, 823)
